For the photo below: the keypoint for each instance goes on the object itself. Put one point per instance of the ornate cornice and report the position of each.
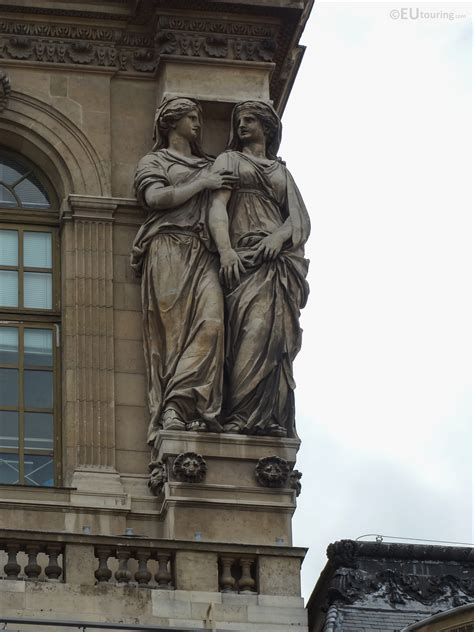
(400, 573)
(78, 45)
(5, 90)
(347, 552)
(133, 43)
(398, 588)
(134, 51)
(74, 13)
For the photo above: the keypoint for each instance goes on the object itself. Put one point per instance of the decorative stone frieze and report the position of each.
(216, 38)
(136, 41)
(400, 574)
(125, 52)
(5, 89)
(272, 471)
(190, 467)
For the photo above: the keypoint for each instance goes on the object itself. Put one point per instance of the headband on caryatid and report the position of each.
(265, 112)
(172, 108)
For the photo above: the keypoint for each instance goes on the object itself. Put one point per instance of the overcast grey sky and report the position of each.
(377, 134)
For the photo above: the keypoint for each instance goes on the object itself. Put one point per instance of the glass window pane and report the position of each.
(11, 170)
(38, 431)
(37, 250)
(39, 347)
(8, 387)
(8, 345)
(39, 470)
(38, 290)
(8, 247)
(9, 469)
(31, 193)
(8, 288)
(6, 198)
(8, 429)
(38, 389)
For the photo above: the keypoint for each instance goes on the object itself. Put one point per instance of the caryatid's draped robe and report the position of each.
(182, 300)
(263, 334)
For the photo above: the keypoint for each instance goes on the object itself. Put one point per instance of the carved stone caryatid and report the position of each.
(182, 302)
(190, 467)
(262, 268)
(260, 227)
(272, 471)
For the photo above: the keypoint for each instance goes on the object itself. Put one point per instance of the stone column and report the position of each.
(88, 338)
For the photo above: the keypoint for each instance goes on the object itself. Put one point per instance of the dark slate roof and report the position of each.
(354, 619)
(384, 587)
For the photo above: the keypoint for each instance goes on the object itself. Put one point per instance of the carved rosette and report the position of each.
(272, 471)
(190, 467)
(5, 89)
(158, 477)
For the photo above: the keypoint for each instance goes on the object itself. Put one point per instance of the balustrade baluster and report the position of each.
(246, 581)
(103, 572)
(32, 569)
(122, 574)
(163, 576)
(227, 580)
(53, 571)
(12, 568)
(143, 575)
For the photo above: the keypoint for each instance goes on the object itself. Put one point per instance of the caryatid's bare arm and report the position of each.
(162, 198)
(231, 265)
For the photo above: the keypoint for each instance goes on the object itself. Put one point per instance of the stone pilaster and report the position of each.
(89, 342)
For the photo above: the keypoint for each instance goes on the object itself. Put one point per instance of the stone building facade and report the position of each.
(82, 535)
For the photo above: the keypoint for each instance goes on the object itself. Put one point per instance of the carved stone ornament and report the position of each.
(135, 46)
(351, 585)
(295, 478)
(158, 477)
(112, 47)
(272, 471)
(5, 89)
(400, 574)
(190, 467)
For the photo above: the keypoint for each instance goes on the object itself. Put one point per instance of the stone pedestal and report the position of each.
(228, 504)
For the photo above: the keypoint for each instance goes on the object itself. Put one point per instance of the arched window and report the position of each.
(19, 185)
(29, 327)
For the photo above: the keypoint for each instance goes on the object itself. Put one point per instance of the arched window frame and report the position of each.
(26, 320)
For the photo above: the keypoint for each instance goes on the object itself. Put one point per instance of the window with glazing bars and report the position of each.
(29, 326)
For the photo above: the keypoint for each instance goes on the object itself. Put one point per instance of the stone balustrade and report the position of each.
(238, 574)
(32, 560)
(162, 579)
(159, 564)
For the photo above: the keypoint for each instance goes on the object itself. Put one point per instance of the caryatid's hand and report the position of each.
(269, 247)
(223, 179)
(231, 268)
